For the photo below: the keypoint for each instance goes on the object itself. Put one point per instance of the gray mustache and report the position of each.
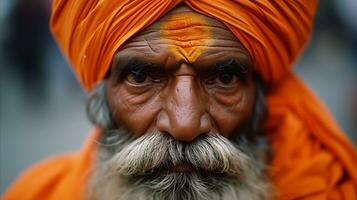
(211, 152)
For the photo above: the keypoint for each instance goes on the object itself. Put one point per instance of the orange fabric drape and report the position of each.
(312, 157)
(58, 178)
(90, 32)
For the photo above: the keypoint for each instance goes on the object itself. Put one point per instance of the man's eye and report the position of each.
(223, 78)
(226, 78)
(137, 77)
(143, 77)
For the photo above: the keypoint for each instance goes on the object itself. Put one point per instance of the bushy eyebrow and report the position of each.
(233, 66)
(123, 66)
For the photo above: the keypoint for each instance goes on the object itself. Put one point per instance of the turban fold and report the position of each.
(312, 158)
(90, 32)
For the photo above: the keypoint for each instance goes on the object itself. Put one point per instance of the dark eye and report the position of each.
(226, 78)
(137, 77)
(144, 77)
(223, 79)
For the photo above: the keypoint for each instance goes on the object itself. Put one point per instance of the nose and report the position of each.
(184, 115)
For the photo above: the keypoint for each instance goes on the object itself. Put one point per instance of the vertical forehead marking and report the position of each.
(188, 35)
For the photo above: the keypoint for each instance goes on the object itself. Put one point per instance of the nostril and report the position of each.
(205, 123)
(188, 130)
(163, 122)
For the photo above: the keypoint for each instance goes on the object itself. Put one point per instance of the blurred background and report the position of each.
(42, 105)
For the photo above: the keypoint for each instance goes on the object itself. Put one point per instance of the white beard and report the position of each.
(226, 170)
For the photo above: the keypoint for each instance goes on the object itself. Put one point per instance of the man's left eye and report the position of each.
(223, 78)
(226, 78)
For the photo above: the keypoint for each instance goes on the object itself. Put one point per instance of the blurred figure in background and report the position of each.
(27, 44)
(34, 77)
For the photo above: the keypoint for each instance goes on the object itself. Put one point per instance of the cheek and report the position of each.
(133, 111)
(231, 111)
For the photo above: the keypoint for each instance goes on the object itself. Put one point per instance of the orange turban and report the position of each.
(90, 32)
(312, 158)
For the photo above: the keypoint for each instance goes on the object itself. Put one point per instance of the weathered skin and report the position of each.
(181, 98)
(187, 34)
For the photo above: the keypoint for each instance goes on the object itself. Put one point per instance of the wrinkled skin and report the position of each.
(183, 93)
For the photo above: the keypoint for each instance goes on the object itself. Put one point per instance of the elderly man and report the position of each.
(194, 100)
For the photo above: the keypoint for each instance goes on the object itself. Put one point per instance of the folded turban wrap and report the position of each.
(312, 157)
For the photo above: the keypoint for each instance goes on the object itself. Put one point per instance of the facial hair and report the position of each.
(131, 168)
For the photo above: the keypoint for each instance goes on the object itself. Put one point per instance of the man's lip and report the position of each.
(184, 167)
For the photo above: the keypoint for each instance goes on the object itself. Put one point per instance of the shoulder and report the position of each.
(41, 179)
(60, 177)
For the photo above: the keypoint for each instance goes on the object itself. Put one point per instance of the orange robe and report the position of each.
(312, 157)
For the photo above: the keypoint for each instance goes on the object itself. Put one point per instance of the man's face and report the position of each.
(186, 75)
(180, 94)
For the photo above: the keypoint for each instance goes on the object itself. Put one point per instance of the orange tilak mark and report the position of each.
(188, 35)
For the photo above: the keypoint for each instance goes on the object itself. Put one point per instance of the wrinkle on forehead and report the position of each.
(188, 35)
(183, 35)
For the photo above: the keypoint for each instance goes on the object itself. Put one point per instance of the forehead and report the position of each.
(186, 36)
